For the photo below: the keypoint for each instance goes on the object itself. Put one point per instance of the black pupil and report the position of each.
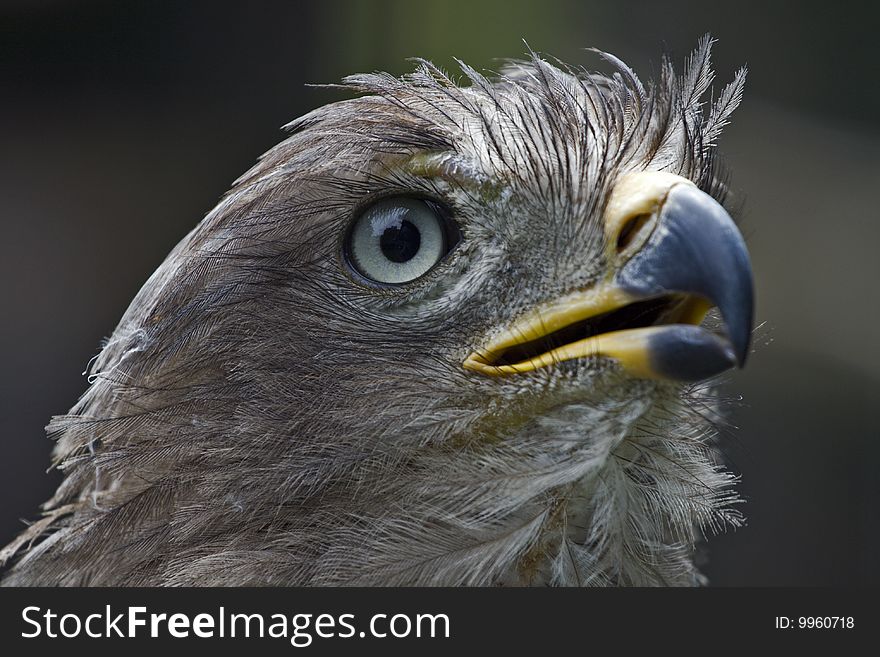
(400, 243)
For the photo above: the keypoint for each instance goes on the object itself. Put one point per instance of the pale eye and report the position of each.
(397, 240)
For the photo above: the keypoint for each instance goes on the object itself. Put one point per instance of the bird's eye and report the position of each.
(397, 240)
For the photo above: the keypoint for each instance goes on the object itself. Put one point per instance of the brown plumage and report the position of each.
(265, 413)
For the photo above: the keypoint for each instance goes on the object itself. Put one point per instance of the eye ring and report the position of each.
(399, 239)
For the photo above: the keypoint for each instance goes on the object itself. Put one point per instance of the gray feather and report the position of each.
(256, 418)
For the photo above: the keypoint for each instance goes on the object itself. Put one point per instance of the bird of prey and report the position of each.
(448, 332)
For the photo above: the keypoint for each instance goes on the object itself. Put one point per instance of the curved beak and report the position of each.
(695, 249)
(679, 253)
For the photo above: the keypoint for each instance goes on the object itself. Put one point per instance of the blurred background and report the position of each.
(121, 124)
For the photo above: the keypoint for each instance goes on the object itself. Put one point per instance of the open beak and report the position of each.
(676, 254)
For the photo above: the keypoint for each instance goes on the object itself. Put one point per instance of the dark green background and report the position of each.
(122, 123)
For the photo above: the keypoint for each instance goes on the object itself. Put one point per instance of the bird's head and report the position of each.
(441, 334)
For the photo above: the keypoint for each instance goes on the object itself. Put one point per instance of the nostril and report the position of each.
(633, 226)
